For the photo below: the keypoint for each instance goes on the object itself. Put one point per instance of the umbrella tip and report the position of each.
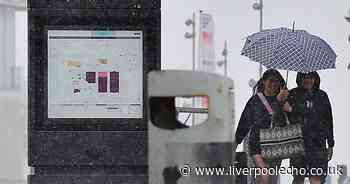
(293, 24)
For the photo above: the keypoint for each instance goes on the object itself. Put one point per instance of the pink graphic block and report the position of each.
(102, 82)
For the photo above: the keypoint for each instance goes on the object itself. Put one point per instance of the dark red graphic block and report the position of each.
(102, 82)
(91, 77)
(114, 82)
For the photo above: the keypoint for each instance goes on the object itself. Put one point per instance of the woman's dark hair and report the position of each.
(314, 75)
(259, 87)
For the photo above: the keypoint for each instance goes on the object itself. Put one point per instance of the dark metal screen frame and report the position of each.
(128, 21)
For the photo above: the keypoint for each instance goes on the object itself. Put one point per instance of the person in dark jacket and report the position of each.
(255, 116)
(311, 107)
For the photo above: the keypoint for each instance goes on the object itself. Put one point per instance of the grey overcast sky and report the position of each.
(235, 19)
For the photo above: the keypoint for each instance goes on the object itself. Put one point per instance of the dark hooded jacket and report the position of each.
(255, 117)
(313, 110)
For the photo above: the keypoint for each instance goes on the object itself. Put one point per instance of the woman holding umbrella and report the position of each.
(300, 51)
(255, 116)
(311, 107)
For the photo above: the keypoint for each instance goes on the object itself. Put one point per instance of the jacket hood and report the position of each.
(301, 76)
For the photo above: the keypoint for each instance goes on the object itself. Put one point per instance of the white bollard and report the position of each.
(173, 152)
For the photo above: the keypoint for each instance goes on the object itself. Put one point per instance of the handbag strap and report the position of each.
(269, 108)
(266, 103)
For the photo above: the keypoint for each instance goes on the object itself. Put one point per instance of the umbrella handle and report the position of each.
(288, 70)
(287, 79)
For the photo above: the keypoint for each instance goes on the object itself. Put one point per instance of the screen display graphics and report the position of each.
(95, 74)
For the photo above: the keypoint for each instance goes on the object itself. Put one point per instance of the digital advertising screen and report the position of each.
(95, 74)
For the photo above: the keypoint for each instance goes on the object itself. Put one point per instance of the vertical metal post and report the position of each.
(194, 41)
(194, 60)
(261, 15)
(347, 18)
(225, 59)
(260, 29)
(250, 162)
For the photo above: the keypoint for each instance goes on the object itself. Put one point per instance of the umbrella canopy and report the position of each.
(285, 49)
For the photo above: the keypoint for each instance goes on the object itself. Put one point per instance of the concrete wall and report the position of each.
(13, 136)
(13, 97)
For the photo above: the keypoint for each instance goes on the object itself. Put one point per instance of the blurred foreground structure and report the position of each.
(13, 98)
(173, 146)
